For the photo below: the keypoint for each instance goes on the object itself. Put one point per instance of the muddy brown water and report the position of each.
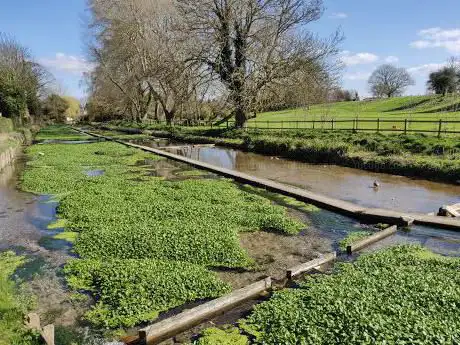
(353, 185)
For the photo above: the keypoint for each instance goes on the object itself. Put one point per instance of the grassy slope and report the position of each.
(410, 107)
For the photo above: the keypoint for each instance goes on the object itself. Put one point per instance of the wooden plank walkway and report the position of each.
(362, 213)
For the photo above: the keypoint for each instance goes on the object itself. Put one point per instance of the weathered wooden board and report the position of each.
(372, 239)
(310, 265)
(165, 329)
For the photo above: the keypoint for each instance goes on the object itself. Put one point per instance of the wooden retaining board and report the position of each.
(359, 212)
(310, 265)
(165, 329)
(371, 239)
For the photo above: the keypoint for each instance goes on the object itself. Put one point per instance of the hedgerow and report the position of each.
(401, 295)
(125, 216)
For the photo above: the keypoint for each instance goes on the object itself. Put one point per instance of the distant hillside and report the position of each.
(413, 107)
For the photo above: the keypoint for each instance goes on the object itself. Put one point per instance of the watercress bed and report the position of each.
(145, 244)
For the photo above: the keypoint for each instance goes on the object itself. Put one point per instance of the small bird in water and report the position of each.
(376, 184)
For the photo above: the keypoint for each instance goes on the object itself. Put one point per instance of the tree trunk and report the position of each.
(240, 117)
(169, 115)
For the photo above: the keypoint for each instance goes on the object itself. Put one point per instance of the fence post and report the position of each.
(255, 122)
(332, 124)
(405, 126)
(378, 125)
(227, 124)
(440, 127)
(313, 124)
(357, 124)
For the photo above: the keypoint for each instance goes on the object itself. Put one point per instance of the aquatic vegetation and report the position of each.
(353, 237)
(58, 224)
(402, 295)
(60, 132)
(227, 336)
(13, 305)
(127, 219)
(131, 291)
(68, 236)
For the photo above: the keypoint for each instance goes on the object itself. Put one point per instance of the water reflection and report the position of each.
(395, 192)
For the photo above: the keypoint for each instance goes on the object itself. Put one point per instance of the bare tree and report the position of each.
(138, 49)
(253, 45)
(389, 81)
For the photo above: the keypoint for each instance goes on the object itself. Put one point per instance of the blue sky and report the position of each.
(419, 35)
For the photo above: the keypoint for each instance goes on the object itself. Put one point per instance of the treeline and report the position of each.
(26, 87)
(446, 79)
(185, 60)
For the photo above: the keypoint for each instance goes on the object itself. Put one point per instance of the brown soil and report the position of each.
(274, 254)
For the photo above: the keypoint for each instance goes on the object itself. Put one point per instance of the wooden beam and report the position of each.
(167, 328)
(310, 265)
(372, 239)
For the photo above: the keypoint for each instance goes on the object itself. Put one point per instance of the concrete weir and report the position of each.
(372, 215)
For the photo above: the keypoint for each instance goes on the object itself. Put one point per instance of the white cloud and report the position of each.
(448, 39)
(338, 15)
(350, 59)
(391, 59)
(357, 76)
(426, 68)
(67, 63)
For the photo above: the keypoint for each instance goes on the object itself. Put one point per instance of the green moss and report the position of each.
(216, 336)
(58, 224)
(68, 236)
(6, 125)
(402, 295)
(13, 305)
(353, 237)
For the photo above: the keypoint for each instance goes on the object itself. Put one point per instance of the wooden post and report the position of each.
(372, 239)
(378, 125)
(308, 266)
(48, 334)
(440, 127)
(405, 126)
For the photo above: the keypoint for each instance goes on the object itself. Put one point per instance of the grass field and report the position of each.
(389, 111)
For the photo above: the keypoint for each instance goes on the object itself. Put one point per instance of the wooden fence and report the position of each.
(372, 125)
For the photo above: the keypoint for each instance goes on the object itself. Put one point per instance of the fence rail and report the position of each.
(375, 125)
